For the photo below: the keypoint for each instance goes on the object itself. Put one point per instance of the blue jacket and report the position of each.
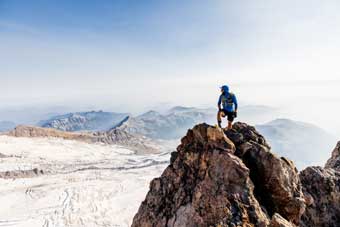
(229, 101)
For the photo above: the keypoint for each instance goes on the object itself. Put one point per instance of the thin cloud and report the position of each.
(16, 27)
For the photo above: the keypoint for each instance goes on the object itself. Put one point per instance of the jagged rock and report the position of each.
(242, 133)
(323, 185)
(277, 185)
(206, 184)
(279, 221)
(334, 161)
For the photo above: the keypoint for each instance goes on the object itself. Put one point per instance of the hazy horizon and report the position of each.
(130, 56)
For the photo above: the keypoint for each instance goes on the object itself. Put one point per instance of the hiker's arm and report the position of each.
(219, 103)
(235, 102)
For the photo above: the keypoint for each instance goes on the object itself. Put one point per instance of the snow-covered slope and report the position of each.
(77, 184)
(299, 141)
(88, 121)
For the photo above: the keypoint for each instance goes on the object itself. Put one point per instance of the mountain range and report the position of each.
(83, 121)
(170, 125)
(287, 137)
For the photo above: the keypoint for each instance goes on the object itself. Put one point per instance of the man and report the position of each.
(229, 106)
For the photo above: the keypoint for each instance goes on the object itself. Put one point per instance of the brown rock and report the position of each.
(323, 185)
(277, 184)
(279, 221)
(206, 185)
(334, 161)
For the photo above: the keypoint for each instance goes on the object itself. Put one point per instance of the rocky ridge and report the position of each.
(136, 143)
(232, 178)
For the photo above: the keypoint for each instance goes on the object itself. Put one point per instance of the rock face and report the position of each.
(278, 221)
(322, 188)
(276, 179)
(223, 179)
(334, 161)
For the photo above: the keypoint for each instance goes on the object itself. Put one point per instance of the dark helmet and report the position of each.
(225, 88)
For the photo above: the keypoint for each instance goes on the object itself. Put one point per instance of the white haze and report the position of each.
(316, 102)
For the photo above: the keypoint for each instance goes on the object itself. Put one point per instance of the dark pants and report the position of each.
(223, 113)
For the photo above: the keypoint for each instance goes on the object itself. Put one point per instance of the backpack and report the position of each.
(228, 102)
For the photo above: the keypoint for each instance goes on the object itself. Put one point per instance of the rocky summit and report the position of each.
(231, 178)
(224, 179)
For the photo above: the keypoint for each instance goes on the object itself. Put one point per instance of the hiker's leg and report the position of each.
(230, 120)
(230, 124)
(220, 114)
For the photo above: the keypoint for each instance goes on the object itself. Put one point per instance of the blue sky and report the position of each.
(137, 53)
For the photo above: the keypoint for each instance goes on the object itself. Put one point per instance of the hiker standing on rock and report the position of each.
(229, 106)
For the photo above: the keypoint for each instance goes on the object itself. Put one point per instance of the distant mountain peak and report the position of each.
(84, 121)
(181, 108)
(185, 109)
(296, 139)
(150, 113)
